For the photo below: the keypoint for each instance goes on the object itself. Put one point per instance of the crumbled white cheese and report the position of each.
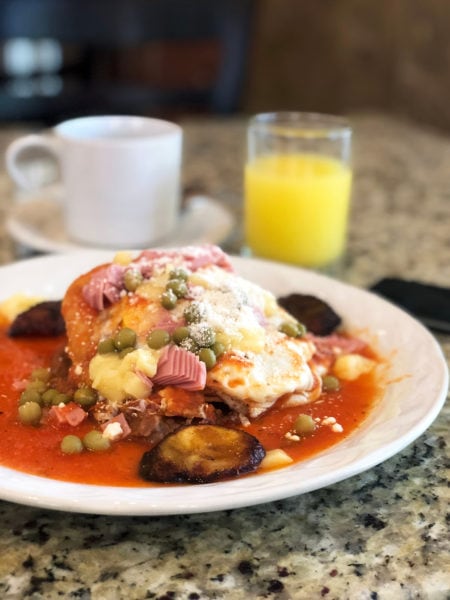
(337, 428)
(113, 431)
(331, 423)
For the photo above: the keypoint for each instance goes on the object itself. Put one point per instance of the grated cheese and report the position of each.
(113, 431)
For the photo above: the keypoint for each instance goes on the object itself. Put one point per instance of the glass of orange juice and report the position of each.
(297, 188)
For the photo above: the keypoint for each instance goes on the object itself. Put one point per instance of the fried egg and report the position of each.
(251, 382)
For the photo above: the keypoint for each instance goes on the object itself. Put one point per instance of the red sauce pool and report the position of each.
(36, 450)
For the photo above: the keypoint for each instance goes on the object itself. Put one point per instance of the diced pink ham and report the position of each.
(114, 282)
(207, 255)
(114, 274)
(145, 379)
(120, 418)
(105, 284)
(69, 414)
(180, 368)
(190, 257)
(332, 345)
(93, 293)
(167, 322)
(20, 384)
(111, 293)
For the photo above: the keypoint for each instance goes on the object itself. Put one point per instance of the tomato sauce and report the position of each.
(36, 450)
(349, 407)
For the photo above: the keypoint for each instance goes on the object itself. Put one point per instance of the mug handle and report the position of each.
(47, 143)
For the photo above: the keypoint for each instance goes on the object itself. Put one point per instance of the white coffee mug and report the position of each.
(120, 177)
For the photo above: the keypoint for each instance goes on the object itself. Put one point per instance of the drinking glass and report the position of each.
(297, 188)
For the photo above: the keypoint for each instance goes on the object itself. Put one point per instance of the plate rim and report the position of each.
(32, 490)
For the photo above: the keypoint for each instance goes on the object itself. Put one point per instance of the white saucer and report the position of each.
(37, 223)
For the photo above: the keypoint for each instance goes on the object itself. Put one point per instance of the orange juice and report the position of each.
(296, 208)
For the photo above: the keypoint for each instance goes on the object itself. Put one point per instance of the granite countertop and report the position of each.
(379, 535)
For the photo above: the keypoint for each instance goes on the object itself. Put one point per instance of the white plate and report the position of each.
(410, 404)
(37, 222)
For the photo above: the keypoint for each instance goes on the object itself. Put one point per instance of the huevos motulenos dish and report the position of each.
(169, 367)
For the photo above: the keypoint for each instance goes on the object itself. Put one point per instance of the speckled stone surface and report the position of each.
(380, 535)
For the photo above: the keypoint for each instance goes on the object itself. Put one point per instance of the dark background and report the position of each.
(335, 56)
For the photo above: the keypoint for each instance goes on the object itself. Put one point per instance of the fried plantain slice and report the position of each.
(317, 316)
(43, 319)
(202, 454)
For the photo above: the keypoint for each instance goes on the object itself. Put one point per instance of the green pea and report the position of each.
(85, 397)
(132, 279)
(94, 440)
(180, 334)
(207, 356)
(37, 385)
(30, 395)
(30, 413)
(158, 338)
(49, 396)
(125, 338)
(106, 346)
(304, 424)
(301, 330)
(41, 374)
(330, 383)
(194, 312)
(125, 351)
(218, 348)
(178, 287)
(179, 273)
(292, 329)
(61, 398)
(169, 299)
(289, 328)
(71, 444)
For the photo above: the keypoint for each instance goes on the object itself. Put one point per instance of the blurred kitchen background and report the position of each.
(171, 58)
